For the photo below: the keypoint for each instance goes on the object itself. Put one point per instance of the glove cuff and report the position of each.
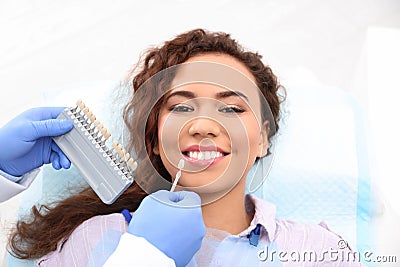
(10, 177)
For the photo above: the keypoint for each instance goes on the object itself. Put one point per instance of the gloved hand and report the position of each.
(26, 144)
(172, 222)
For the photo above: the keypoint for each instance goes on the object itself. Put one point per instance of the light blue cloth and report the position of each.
(320, 169)
(234, 251)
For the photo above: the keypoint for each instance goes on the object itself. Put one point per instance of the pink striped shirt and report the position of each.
(288, 243)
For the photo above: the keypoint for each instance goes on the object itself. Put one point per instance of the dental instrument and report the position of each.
(178, 174)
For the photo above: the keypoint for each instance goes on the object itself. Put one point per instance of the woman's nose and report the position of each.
(204, 127)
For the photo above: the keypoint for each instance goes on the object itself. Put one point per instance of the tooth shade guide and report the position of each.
(115, 144)
(132, 164)
(99, 127)
(106, 134)
(104, 131)
(90, 116)
(80, 104)
(107, 171)
(85, 110)
(121, 153)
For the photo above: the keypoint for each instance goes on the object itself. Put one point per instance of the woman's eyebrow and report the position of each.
(219, 95)
(229, 93)
(186, 94)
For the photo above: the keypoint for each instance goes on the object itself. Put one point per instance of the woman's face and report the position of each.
(214, 129)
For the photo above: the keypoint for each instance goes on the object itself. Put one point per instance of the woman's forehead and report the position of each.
(212, 79)
(223, 59)
(213, 67)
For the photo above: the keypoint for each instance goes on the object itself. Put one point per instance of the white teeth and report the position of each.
(206, 155)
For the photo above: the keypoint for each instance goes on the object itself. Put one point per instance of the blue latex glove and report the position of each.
(26, 144)
(172, 222)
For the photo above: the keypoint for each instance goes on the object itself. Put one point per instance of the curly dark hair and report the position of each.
(47, 225)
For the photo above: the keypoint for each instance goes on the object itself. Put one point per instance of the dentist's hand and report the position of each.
(172, 222)
(26, 144)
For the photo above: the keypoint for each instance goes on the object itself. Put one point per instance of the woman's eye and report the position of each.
(231, 109)
(180, 108)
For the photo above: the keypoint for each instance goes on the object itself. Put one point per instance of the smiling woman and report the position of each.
(203, 119)
(207, 119)
(202, 98)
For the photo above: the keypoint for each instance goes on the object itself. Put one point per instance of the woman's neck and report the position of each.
(228, 213)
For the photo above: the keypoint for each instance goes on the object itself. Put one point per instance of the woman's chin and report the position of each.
(207, 187)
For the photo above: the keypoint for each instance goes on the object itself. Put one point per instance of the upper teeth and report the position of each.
(205, 155)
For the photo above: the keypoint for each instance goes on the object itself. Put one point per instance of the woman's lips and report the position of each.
(204, 155)
(203, 162)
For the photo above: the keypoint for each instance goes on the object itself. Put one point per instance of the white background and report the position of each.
(352, 45)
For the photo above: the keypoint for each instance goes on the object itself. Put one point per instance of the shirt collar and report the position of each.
(264, 213)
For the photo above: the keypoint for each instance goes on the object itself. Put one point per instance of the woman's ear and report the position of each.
(264, 142)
